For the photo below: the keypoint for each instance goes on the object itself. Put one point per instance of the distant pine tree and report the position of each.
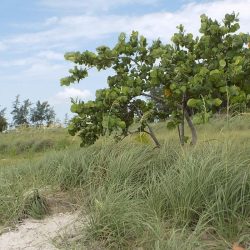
(3, 121)
(42, 113)
(21, 112)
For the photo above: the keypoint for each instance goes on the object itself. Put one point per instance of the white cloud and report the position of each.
(45, 62)
(51, 55)
(35, 73)
(94, 5)
(163, 24)
(74, 29)
(51, 21)
(70, 92)
(13, 63)
(48, 58)
(44, 70)
(2, 46)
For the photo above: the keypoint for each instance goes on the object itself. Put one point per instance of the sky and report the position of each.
(35, 35)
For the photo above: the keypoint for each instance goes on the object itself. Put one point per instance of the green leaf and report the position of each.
(74, 108)
(238, 60)
(122, 124)
(171, 125)
(70, 56)
(234, 90)
(183, 88)
(216, 75)
(215, 72)
(122, 99)
(217, 102)
(194, 103)
(223, 63)
(223, 89)
(154, 73)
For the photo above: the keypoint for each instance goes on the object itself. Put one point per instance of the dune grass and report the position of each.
(137, 197)
(22, 145)
(33, 140)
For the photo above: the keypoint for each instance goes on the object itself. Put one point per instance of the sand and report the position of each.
(38, 234)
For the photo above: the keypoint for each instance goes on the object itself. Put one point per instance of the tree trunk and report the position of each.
(186, 115)
(181, 133)
(181, 125)
(152, 134)
(191, 126)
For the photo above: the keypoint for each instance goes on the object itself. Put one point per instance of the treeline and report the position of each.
(24, 113)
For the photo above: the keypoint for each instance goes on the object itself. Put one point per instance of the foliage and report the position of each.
(189, 76)
(26, 142)
(24, 114)
(116, 107)
(136, 197)
(3, 120)
(35, 205)
(42, 113)
(20, 111)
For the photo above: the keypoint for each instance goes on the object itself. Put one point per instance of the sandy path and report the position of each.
(38, 234)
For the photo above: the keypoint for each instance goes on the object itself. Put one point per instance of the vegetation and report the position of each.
(136, 196)
(3, 121)
(25, 115)
(42, 113)
(28, 143)
(20, 112)
(190, 76)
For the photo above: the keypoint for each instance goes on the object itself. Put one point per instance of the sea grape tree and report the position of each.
(204, 73)
(189, 77)
(226, 60)
(116, 107)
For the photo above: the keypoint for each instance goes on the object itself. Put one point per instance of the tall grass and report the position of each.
(33, 140)
(138, 197)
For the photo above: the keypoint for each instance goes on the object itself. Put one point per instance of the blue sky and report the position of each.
(35, 34)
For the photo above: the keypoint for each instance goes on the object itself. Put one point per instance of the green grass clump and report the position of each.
(35, 205)
(29, 141)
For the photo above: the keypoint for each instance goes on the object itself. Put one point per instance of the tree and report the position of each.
(50, 116)
(20, 112)
(201, 73)
(190, 76)
(115, 107)
(42, 113)
(226, 60)
(3, 120)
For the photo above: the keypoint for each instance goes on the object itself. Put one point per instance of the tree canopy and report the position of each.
(189, 79)
(20, 111)
(24, 114)
(3, 120)
(42, 113)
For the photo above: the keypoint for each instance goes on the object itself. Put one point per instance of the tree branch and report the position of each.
(191, 126)
(151, 132)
